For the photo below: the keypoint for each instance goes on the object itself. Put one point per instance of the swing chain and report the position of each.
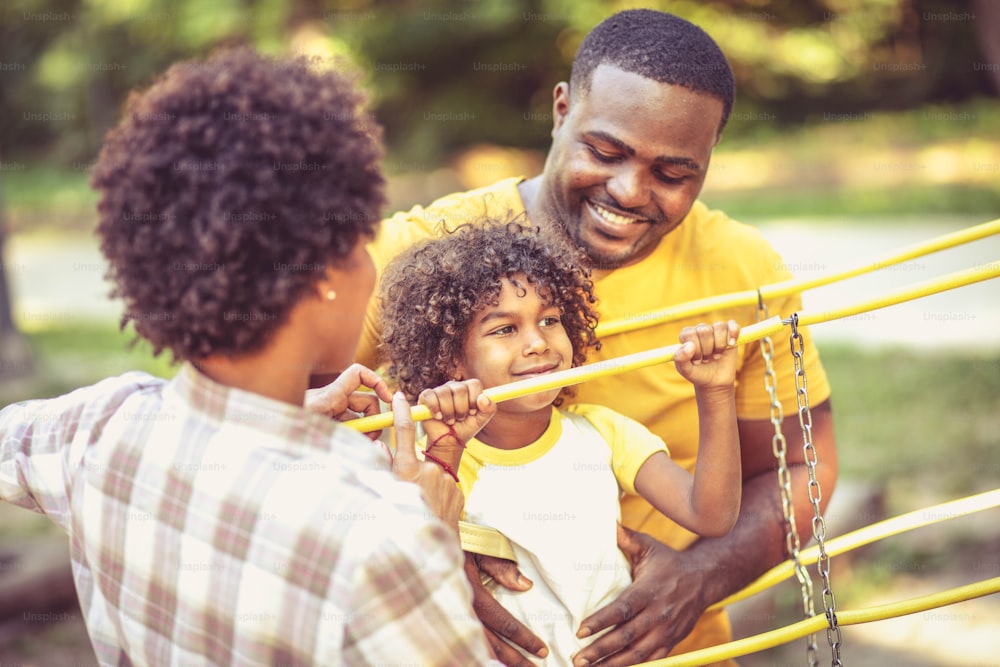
(779, 448)
(833, 633)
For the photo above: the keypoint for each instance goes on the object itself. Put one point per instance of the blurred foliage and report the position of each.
(80, 354)
(447, 73)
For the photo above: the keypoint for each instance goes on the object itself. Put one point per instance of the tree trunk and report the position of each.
(988, 29)
(16, 359)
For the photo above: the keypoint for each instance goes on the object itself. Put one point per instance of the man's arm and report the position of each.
(671, 589)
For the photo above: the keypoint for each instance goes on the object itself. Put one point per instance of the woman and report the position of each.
(212, 518)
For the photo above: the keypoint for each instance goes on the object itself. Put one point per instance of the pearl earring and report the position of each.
(331, 295)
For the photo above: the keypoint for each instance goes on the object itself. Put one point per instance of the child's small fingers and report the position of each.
(446, 401)
(705, 341)
(721, 342)
(461, 406)
(429, 398)
(734, 332)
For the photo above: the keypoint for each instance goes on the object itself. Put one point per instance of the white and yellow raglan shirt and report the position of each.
(557, 501)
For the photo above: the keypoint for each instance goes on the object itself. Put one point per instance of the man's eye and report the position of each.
(670, 180)
(602, 157)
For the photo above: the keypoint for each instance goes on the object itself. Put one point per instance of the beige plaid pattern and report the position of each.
(211, 526)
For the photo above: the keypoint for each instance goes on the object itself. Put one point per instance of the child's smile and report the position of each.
(520, 337)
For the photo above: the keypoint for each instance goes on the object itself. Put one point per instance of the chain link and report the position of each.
(833, 634)
(779, 448)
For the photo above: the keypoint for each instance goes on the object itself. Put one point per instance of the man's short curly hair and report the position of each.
(226, 190)
(431, 294)
(658, 46)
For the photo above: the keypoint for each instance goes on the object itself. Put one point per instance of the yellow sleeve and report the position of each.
(631, 443)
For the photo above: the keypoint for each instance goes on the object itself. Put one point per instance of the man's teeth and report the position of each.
(612, 217)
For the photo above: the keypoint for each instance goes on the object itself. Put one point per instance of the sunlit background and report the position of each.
(860, 126)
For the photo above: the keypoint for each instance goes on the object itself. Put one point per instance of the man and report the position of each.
(632, 138)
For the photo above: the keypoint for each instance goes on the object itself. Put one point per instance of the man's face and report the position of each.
(628, 160)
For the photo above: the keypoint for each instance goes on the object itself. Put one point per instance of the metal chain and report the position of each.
(779, 448)
(833, 634)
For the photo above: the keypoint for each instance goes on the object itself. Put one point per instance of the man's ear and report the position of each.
(560, 105)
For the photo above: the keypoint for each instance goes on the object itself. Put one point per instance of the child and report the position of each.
(494, 303)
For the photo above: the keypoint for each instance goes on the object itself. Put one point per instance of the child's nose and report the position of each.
(536, 342)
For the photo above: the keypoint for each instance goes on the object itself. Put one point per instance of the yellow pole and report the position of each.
(876, 531)
(572, 376)
(907, 293)
(749, 297)
(815, 624)
(663, 354)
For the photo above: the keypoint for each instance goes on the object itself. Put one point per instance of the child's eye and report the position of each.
(502, 331)
(549, 321)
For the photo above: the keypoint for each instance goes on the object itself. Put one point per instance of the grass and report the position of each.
(67, 357)
(917, 425)
(980, 201)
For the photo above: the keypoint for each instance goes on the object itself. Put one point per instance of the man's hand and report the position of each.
(653, 614)
(440, 491)
(341, 399)
(498, 622)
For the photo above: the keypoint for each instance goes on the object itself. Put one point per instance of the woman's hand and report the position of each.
(342, 401)
(440, 490)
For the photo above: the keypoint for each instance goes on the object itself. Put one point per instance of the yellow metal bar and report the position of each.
(663, 354)
(907, 293)
(817, 623)
(876, 531)
(572, 376)
(749, 297)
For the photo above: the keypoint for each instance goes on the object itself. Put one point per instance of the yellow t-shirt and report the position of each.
(707, 254)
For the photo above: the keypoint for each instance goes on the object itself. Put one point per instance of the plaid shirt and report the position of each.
(209, 525)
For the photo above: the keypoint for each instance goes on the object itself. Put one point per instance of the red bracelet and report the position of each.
(447, 468)
(451, 432)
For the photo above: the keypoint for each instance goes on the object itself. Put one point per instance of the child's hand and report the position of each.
(461, 406)
(707, 356)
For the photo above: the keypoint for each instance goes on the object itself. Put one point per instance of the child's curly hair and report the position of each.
(431, 293)
(226, 190)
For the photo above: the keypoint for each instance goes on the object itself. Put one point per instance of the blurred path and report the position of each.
(60, 278)
(961, 319)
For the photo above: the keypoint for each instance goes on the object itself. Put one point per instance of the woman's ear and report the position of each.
(326, 287)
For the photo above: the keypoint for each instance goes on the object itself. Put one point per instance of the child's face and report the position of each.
(521, 337)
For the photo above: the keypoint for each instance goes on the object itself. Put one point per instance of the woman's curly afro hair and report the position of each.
(431, 293)
(226, 190)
